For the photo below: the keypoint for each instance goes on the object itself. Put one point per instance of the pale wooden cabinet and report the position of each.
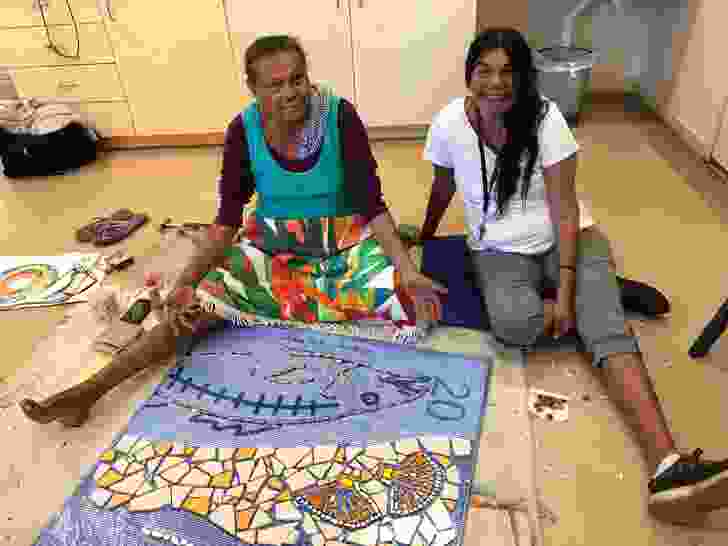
(409, 57)
(398, 62)
(90, 84)
(26, 13)
(696, 102)
(176, 64)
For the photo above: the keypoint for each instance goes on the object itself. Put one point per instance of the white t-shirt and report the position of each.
(453, 144)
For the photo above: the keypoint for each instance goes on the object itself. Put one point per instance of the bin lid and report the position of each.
(562, 59)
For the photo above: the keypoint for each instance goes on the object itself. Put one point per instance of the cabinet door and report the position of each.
(25, 13)
(176, 65)
(321, 25)
(700, 88)
(409, 57)
(720, 150)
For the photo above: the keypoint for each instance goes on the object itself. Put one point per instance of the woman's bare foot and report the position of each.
(69, 408)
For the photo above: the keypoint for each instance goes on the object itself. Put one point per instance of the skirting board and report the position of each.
(218, 138)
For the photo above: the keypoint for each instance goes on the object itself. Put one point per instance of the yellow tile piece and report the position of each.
(109, 478)
(285, 496)
(244, 453)
(223, 480)
(189, 451)
(275, 483)
(108, 456)
(340, 456)
(197, 505)
(445, 461)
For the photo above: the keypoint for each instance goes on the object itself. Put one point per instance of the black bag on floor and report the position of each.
(44, 155)
(43, 138)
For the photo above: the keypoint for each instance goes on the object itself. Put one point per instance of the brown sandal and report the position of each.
(107, 231)
(71, 417)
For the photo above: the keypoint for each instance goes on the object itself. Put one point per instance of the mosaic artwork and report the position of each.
(28, 281)
(271, 436)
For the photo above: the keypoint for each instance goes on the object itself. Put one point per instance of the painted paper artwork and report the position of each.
(36, 281)
(290, 437)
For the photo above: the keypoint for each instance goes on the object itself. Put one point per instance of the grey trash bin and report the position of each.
(565, 74)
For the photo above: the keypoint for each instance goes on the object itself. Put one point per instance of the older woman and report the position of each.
(511, 155)
(322, 246)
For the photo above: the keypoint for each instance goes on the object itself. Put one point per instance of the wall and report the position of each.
(637, 52)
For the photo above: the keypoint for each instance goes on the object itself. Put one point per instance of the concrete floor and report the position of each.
(667, 218)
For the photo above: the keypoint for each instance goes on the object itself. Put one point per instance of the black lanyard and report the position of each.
(489, 186)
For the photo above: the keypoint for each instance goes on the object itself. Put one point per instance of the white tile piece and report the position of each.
(407, 446)
(440, 516)
(365, 537)
(100, 497)
(443, 538)
(126, 443)
(287, 511)
(461, 447)
(224, 517)
(427, 530)
(436, 445)
(453, 475)
(404, 528)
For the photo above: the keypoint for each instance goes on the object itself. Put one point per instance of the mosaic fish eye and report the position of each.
(370, 398)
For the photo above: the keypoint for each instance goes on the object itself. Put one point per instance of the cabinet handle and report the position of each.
(361, 4)
(67, 84)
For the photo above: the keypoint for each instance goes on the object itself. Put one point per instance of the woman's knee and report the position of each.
(516, 321)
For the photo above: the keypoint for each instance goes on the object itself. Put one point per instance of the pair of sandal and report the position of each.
(107, 231)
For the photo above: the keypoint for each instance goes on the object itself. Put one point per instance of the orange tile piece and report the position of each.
(245, 518)
(244, 453)
(197, 505)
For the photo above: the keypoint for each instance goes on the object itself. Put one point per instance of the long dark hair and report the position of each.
(521, 120)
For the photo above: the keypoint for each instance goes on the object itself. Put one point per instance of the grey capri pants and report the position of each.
(511, 285)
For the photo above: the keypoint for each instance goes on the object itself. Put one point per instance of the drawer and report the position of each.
(21, 13)
(25, 47)
(108, 118)
(85, 83)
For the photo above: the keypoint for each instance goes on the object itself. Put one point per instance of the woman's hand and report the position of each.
(564, 316)
(182, 309)
(424, 293)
